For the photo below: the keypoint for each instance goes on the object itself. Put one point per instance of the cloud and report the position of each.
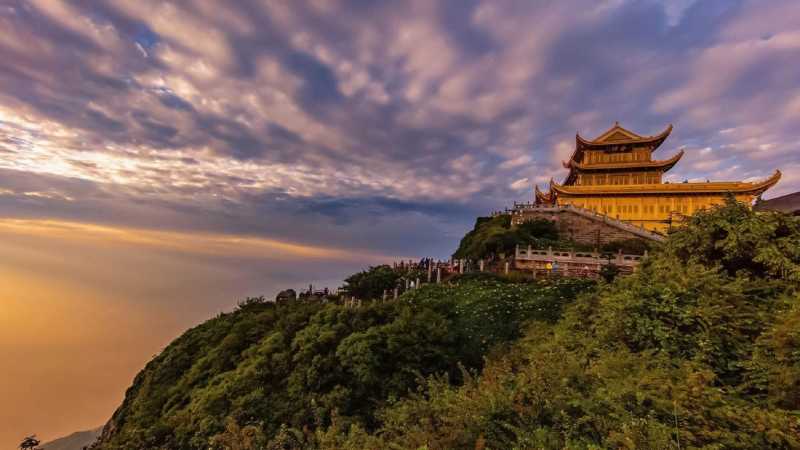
(520, 184)
(383, 118)
(238, 150)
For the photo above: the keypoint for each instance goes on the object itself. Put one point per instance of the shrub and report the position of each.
(371, 283)
(494, 236)
(697, 349)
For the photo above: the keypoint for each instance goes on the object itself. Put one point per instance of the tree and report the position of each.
(371, 283)
(633, 246)
(738, 239)
(30, 442)
(236, 437)
(492, 236)
(696, 349)
(609, 271)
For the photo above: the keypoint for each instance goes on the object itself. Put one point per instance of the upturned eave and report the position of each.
(582, 143)
(664, 165)
(718, 187)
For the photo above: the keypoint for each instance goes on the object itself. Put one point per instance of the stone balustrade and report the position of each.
(575, 257)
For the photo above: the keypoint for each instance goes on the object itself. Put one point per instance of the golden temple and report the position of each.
(615, 174)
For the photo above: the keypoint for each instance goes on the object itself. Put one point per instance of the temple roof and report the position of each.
(670, 188)
(616, 135)
(665, 164)
(542, 197)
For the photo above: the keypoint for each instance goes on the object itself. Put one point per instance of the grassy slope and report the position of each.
(300, 363)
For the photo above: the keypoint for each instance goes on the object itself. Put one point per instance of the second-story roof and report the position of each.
(664, 164)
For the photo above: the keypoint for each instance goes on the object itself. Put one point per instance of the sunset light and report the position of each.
(422, 224)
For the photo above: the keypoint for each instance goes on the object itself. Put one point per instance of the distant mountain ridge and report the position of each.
(75, 441)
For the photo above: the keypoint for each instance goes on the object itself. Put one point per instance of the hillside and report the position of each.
(75, 441)
(306, 364)
(697, 349)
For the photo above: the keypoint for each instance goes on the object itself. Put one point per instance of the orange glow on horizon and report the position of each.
(83, 307)
(189, 242)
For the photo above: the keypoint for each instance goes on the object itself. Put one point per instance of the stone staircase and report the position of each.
(520, 209)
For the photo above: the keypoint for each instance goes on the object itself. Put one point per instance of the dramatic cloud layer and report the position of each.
(361, 124)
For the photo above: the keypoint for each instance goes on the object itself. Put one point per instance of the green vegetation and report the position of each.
(277, 372)
(609, 272)
(698, 349)
(629, 246)
(493, 236)
(371, 283)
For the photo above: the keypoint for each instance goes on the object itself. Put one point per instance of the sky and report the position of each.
(161, 160)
